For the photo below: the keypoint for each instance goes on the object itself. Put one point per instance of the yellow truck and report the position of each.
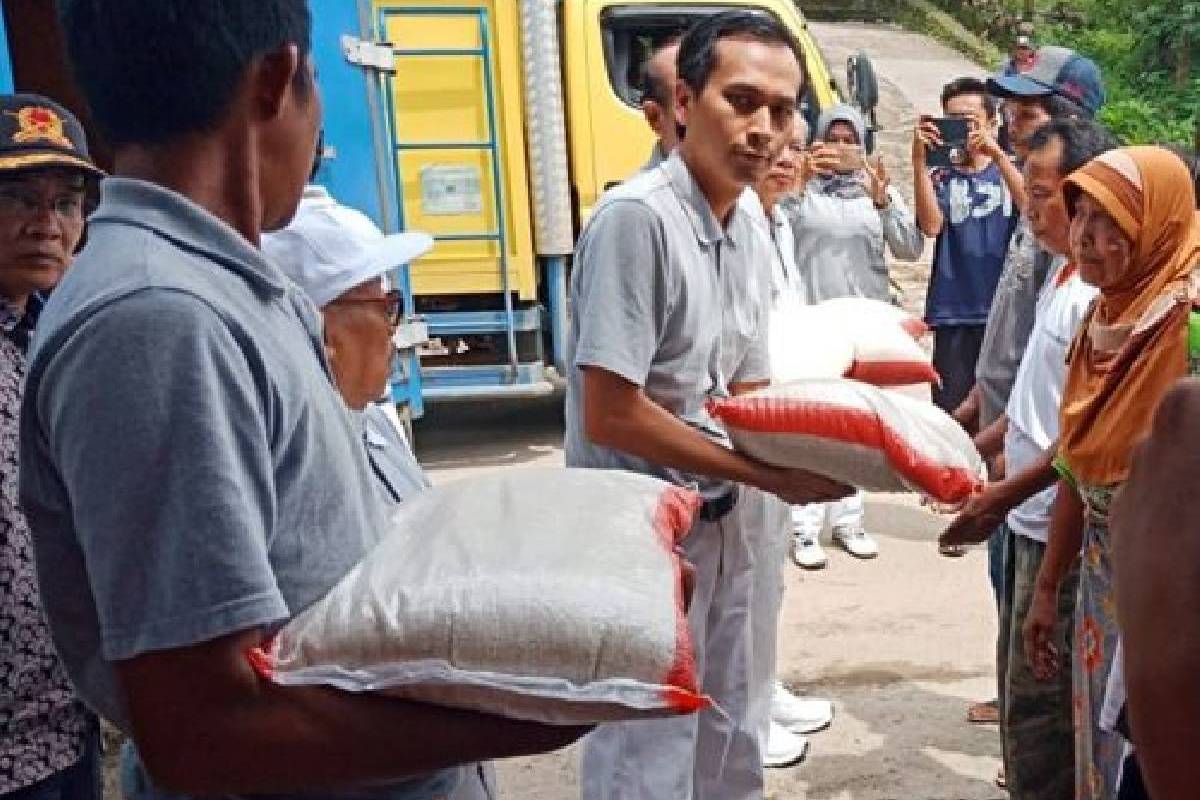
(494, 125)
(498, 124)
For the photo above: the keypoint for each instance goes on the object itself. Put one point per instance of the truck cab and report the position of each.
(495, 126)
(498, 125)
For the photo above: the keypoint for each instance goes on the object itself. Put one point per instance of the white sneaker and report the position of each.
(784, 748)
(856, 541)
(807, 552)
(799, 714)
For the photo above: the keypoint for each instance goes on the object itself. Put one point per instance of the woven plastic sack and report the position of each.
(886, 354)
(851, 337)
(857, 434)
(803, 344)
(856, 308)
(551, 595)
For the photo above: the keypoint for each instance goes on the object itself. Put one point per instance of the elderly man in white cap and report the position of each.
(344, 263)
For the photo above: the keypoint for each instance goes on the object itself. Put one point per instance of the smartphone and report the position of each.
(850, 157)
(955, 134)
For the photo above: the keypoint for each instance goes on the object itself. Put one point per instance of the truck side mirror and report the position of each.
(863, 89)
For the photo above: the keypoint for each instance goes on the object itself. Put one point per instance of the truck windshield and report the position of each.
(632, 33)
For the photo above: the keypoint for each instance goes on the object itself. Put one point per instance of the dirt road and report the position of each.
(901, 644)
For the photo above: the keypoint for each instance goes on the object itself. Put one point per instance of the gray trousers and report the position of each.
(1036, 726)
(713, 755)
(769, 520)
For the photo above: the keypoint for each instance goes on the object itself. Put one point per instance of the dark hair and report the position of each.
(652, 84)
(153, 70)
(1082, 141)
(1058, 106)
(960, 87)
(1192, 159)
(698, 49)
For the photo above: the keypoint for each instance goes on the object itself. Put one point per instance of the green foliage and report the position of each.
(1148, 50)
(1144, 102)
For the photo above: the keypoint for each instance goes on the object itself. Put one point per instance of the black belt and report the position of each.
(714, 510)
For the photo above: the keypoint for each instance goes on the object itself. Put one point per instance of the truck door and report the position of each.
(459, 170)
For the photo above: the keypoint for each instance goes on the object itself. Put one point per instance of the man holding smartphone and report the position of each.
(970, 208)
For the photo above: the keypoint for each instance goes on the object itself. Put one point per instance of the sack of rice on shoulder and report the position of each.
(855, 433)
(551, 595)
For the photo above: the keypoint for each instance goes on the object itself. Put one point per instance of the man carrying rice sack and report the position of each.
(655, 266)
(192, 479)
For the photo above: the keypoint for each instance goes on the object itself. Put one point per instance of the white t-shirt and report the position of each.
(1033, 407)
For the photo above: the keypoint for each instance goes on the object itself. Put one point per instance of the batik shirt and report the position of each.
(43, 728)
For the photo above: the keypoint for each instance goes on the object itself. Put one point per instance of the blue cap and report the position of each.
(1060, 71)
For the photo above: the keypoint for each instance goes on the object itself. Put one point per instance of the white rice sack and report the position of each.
(851, 337)
(886, 355)
(857, 434)
(866, 308)
(803, 344)
(921, 392)
(552, 595)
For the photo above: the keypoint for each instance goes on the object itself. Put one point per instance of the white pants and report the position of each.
(767, 516)
(809, 520)
(711, 755)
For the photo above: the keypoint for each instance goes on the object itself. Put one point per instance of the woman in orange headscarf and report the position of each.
(1135, 236)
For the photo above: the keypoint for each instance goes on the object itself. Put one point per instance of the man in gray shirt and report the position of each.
(191, 476)
(658, 97)
(661, 324)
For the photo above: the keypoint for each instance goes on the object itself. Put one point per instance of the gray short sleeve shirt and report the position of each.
(391, 457)
(1010, 321)
(662, 295)
(188, 469)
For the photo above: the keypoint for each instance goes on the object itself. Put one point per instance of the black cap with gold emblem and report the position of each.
(36, 132)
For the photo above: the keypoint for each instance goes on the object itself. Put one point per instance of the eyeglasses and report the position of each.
(390, 302)
(26, 202)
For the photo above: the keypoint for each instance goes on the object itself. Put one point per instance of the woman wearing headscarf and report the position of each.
(1135, 236)
(843, 223)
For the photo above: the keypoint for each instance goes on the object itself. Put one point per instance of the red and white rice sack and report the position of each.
(857, 434)
(851, 337)
(803, 344)
(868, 308)
(552, 595)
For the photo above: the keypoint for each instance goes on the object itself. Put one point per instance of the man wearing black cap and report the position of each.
(47, 738)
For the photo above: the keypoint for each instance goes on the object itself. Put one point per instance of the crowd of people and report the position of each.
(194, 451)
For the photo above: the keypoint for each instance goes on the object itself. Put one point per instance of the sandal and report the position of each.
(985, 713)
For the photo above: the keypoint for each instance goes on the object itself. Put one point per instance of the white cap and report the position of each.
(329, 248)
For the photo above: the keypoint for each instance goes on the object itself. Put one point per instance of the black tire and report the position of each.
(862, 83)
